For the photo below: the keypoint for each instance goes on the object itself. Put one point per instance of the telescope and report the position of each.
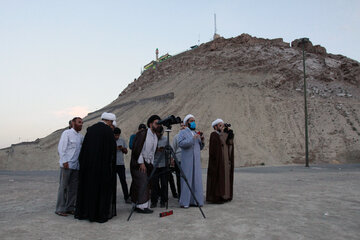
(170, 120)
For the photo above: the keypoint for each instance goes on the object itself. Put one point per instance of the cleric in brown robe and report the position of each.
(220, 176)
(96, 195)
(141, 165)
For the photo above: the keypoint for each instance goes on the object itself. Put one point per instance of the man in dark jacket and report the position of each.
(141, 165)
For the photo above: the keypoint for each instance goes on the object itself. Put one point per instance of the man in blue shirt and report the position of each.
(131, 141)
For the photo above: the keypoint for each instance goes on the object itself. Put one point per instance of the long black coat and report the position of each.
(96, 197)
(215, 187)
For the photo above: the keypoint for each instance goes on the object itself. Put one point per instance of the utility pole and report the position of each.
(303, 41)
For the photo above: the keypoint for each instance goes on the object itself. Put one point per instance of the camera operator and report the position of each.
(220, 176)
(191, 143)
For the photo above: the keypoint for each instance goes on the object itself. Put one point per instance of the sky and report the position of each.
(60, 59)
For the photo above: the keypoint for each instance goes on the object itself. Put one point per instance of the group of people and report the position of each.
(89, 165)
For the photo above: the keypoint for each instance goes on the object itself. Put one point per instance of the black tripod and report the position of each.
(169, 152)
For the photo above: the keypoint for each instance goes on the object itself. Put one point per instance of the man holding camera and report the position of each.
(191, 143)
(220, 176)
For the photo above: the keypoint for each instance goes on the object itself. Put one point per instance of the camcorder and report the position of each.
(170, 120)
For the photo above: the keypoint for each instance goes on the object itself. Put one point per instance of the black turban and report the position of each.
(142, 126)
(152, 119)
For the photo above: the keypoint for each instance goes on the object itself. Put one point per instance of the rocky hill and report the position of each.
(253, 83)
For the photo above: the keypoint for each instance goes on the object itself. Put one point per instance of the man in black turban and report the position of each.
(141, 165)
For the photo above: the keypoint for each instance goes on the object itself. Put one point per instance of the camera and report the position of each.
(226, 127)
(170, 120)
(229, 132)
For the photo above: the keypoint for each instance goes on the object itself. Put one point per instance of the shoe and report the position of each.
(153, 205)
(61, 214)
(175, 195)
(148, 210)
(194, 205)
(162, 204)
(70, 212)
(128, 201)
(144, 211)
(184, 207)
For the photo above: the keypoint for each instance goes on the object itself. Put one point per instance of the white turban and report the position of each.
(216, 122)
(114, 124)
(108, 116)
(188, 117)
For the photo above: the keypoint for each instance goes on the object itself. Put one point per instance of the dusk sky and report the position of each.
(60, 59)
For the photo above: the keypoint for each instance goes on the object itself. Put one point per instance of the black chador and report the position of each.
(96, 197)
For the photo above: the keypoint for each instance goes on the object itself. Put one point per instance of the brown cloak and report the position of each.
(220, 177)
(139, 192)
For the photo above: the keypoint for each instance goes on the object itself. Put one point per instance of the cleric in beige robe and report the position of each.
(220, 177)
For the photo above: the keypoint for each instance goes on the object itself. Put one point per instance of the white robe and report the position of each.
(191, 165)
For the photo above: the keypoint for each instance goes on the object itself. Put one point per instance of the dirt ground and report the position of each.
(290, 202)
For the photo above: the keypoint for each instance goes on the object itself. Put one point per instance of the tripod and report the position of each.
(169, 152)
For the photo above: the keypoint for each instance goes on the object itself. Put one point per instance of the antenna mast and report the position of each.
(215, 23)
(215, 34)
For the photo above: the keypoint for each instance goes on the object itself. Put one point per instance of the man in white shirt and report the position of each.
(69, 150)
(121, 149)
(141, 165)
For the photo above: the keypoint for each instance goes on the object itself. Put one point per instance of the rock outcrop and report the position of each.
(253, 83)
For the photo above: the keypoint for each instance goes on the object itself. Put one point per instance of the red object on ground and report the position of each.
(168, 213)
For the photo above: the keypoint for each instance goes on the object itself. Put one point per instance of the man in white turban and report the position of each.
(220, 176)
(96, 198)
(191, 143)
